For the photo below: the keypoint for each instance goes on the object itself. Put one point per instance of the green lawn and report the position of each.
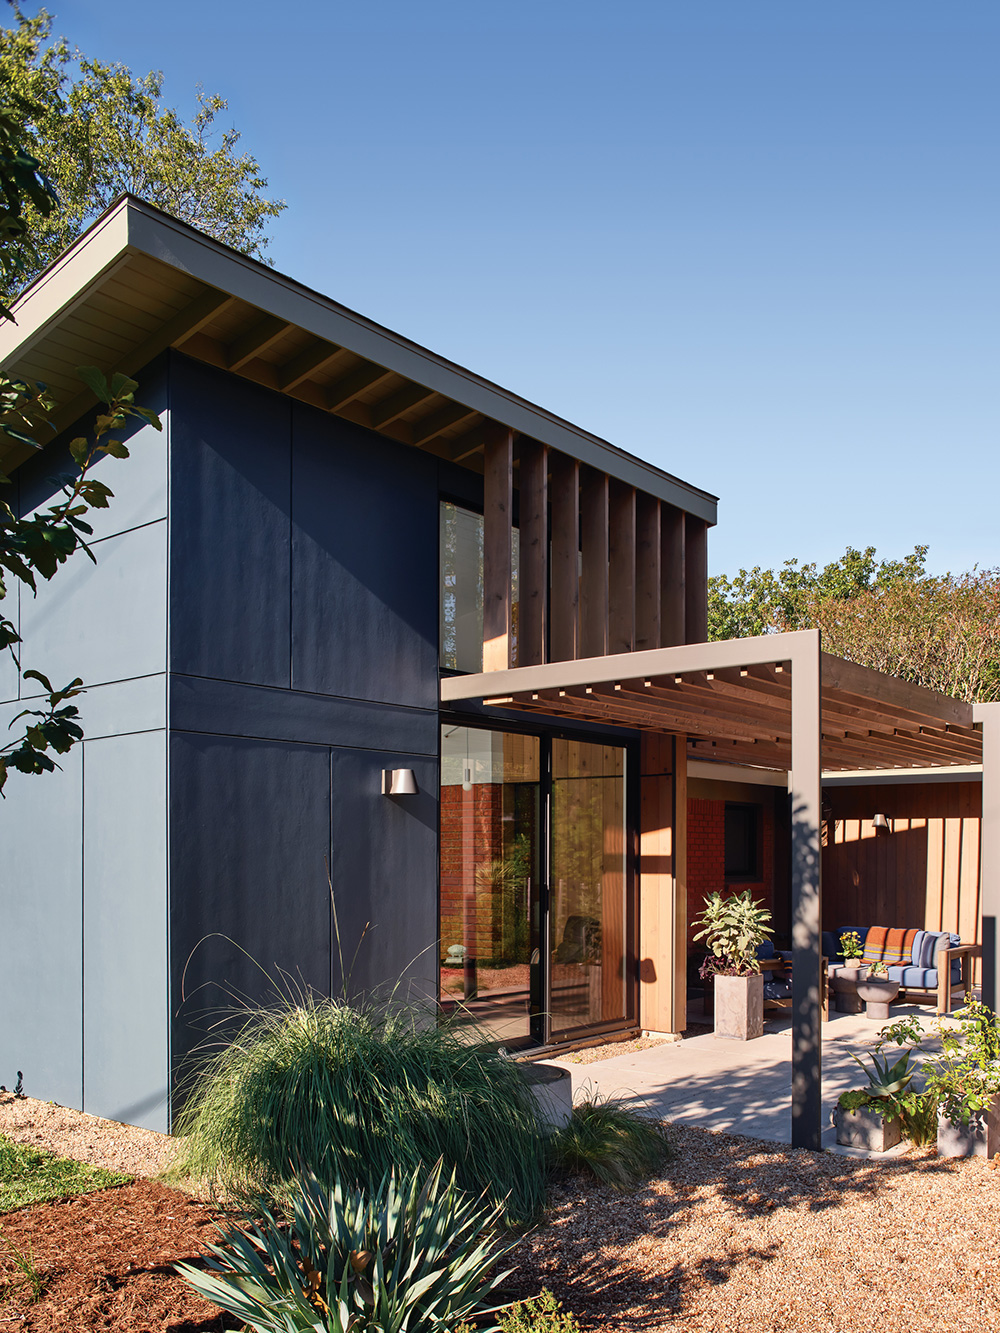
(29, 1175)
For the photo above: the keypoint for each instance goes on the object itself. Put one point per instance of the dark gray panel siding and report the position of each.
(230, 479)
(125, 940)
(41, 949)
(364, 564)
(250, 838)
(222, 708)
(385, 873)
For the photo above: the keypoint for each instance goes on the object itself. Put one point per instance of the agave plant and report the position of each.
(414, 1255)
(885, 1080)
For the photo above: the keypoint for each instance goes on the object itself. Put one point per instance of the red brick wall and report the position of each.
(706, 860)
(465, 844)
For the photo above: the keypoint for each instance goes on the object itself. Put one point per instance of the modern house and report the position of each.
(363, 621)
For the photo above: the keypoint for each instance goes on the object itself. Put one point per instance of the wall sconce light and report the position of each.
(880, 822)
(399, 782)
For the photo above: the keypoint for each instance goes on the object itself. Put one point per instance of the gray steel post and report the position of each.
(805, 788)
(989, 843)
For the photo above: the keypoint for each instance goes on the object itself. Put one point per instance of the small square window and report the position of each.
(742, 841)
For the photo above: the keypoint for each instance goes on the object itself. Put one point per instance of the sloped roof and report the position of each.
(138, 281)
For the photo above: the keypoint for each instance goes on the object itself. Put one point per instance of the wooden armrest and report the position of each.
(957, 951)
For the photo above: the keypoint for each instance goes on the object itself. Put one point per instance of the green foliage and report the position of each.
(103, 131)
(38, 544)
(541, 1314)
(24, 1263)
(348, 1092)
(885, 1080)
(22, 187)
(411, 1254)
(733, 928)
(965, 1077)
(28, 1175)
(942, 631)
(854, 1100)
(609, 1141)
(850, 944)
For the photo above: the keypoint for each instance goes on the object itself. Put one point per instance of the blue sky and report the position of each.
(754, 241)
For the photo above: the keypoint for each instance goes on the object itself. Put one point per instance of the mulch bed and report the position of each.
(105, 1262)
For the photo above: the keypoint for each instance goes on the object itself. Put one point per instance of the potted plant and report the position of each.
(733, 929)
(877, 1117)
(965, 1078)
(851, 948)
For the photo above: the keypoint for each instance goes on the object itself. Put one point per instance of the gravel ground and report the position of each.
(85, 1138)
(737, 1234)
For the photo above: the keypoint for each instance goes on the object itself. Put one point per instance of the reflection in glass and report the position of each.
(489, 867)
(462, 588)
(587, 939)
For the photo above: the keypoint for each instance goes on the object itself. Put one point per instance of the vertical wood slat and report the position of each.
(679, 927)
(695, 579)
(621, 567)
(498, 496)
(672, 576)
(564, 578)
(532, 601)
(594, 572)
(647, 572)
(656, 884)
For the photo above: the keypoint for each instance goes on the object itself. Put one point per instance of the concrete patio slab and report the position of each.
(739, 1087)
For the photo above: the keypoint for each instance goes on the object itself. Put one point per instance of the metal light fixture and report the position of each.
(399, 782)
(880, 822)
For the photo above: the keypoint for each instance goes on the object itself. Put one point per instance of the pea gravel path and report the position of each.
(737, 1234)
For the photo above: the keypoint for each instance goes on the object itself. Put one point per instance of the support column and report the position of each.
(498, 483)
(805, 789)
(594, 563)
(533, 571)
(988, 715)
(564, 577)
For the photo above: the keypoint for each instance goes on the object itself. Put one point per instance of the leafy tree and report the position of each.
(39, 543)
(103, 131)
(942, 631)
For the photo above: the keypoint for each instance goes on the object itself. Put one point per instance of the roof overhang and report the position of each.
(733, 701)
(139, 281)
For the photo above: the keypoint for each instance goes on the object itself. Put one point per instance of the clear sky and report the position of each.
(754, 241)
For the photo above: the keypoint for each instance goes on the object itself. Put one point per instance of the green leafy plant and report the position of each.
(850, 945)
(733, 929)
(541, 1314)
(878, 971)
(351, 1091)
(965, 1077)
(610, 1141)
(414, 1253)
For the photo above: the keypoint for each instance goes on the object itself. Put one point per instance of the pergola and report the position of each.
(779, 702)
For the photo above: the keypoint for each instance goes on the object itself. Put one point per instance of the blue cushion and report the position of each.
(920, 978)
(777, 990)
(831, 944)
(766, 950)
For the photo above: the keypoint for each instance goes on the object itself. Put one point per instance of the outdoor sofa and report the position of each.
(926, 963)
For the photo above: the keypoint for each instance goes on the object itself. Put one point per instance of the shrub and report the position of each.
(543, 1314)
(414, 1254)
(609, 1141)
(350, 1092)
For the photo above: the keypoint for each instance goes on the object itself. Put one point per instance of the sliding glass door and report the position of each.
(534, 883)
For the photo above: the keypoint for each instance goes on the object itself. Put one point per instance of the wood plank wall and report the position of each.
(662, 886)
(924, 872)
(604, 568)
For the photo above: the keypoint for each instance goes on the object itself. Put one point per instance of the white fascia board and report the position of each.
(152, 233)
(901, 777)
(757, 777)
(64, 285)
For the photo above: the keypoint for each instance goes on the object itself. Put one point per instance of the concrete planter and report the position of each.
(866, 1128)
(551, 1089)
(739, 1007)
(844, 985)
(979, 1138)
(878, 994)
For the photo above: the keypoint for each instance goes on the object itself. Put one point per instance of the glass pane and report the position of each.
(588, 884)
(489, 875)
(462, 588)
